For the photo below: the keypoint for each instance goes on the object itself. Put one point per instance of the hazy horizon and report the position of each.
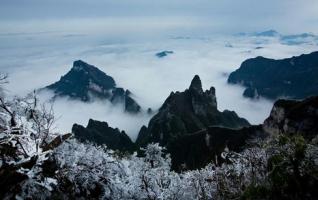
(225, 16)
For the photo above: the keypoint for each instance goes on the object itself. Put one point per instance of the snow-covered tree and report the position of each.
(26, 142)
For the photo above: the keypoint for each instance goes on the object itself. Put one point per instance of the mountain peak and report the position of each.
(188, 112)
(196, 83)
(81, 65)
(85, 82)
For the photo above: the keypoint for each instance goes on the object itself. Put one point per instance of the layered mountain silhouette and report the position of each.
(195, 132)
(100, 133)
(294, 78)
(184, 117)
(187, 112)
(86, 82)
(295, 39)
(266, 33)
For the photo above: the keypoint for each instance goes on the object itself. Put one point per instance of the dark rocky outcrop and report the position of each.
(163, 54)
(196, 150)
(56, 142)
(288, 117)
(193, 130)
(294, 117)
(294, 78)
(85, 81)
(187, 112)
(100, 133)
(120, 95)
(142, 136)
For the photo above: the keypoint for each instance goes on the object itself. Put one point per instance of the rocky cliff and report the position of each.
(187, 112)
(294, 117)
(100, 133)
(86, 82)
(292, 78)
(196, 150)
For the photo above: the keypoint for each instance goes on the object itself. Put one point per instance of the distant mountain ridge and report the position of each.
(269, 33)
(86, 82)
(288, 39)
(294, 78)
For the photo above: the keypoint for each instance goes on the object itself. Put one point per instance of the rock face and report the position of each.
(120, 95)
(100, 133)
(294, 117)
(187, 112)
(86, 81)
(294, 78)
(197, 150)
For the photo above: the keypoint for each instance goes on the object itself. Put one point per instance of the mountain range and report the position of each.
(189, 116)
(189, 124)
(194, 150)
(293, 39)
(189, 150)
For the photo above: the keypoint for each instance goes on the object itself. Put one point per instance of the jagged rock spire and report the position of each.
(188, 112)
(196, 84)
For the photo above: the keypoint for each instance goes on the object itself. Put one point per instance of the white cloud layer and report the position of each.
(38, 59)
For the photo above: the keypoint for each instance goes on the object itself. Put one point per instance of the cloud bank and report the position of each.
(39, 40)
(41, 61)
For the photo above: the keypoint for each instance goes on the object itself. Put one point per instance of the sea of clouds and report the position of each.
(37, 57)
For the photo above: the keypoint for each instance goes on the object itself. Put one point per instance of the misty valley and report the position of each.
(105, 102)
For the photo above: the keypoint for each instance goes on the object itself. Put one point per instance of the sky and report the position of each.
(207, 15)
(40, 39)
